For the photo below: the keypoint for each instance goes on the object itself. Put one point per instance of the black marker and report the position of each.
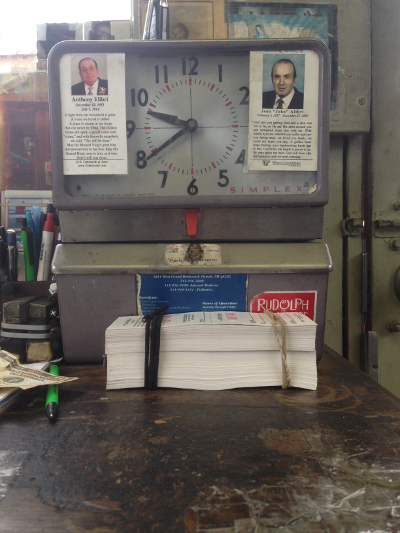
(12, 255)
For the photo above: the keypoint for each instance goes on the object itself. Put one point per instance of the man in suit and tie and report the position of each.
(285, 95)
(91, 83)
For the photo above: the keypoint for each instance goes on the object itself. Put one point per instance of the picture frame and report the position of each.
(193, 19)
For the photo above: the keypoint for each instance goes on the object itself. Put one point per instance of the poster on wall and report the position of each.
(287, 21)
(93, 114)
(283, 111)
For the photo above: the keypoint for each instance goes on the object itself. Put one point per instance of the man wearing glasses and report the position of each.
(91, 84)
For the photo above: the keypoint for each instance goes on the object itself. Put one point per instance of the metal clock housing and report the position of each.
(187, 120)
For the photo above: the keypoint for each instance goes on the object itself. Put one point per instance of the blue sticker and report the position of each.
(193, 292)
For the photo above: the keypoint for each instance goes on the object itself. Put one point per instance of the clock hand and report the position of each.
(171, 119)
(167, 143)
(190, 125)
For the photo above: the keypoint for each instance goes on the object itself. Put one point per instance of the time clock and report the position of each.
(186, 113)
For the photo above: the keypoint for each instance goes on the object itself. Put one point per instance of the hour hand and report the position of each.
(171, 119)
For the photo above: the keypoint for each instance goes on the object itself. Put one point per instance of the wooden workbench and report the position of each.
(189, 461)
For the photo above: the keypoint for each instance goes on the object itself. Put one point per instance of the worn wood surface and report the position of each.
(241, 461)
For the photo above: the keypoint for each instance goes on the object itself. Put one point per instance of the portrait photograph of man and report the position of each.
(88, 70)
(283, 81)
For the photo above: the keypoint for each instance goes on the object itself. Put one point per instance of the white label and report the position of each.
(193, 254)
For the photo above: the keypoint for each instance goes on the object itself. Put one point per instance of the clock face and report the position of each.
(196, 153)
(187, 132)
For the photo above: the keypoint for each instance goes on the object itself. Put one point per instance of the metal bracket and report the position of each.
(385, 229)
(352, 227)
(387, 223)
(370, 350)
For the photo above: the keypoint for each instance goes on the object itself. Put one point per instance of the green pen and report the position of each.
(52, 396)
(27, 242)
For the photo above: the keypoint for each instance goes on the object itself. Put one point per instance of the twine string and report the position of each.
(275, 319)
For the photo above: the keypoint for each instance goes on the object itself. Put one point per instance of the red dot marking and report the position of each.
(169, 90)
(154, 149)
(192, 172)
(229, 148)
(235, 126)
(213, 165)
(212, 87)
(147, 128)
(190, 82)
(152, 105)
(229, 103)
(170, 166)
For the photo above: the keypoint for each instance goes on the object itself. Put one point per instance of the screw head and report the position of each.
(361, 101)
(393, 326)
(394, 244)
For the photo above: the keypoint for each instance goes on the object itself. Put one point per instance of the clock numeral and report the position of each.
(220, 73)
(192, 71)
(164, 174)
(165, 67)
(141, 159)
(192, 188)
(245, 99)
(130, 127)
(142, 97)
(240, 159)
(224, 178)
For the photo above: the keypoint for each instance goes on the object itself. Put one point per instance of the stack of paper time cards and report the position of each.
(214, 351)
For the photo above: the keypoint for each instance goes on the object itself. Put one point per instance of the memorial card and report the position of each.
(283, 114)
(93, 114)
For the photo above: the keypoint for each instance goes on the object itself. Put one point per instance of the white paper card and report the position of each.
(93, 126)
(283, 114)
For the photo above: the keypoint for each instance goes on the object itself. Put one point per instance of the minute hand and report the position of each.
(170, 141)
